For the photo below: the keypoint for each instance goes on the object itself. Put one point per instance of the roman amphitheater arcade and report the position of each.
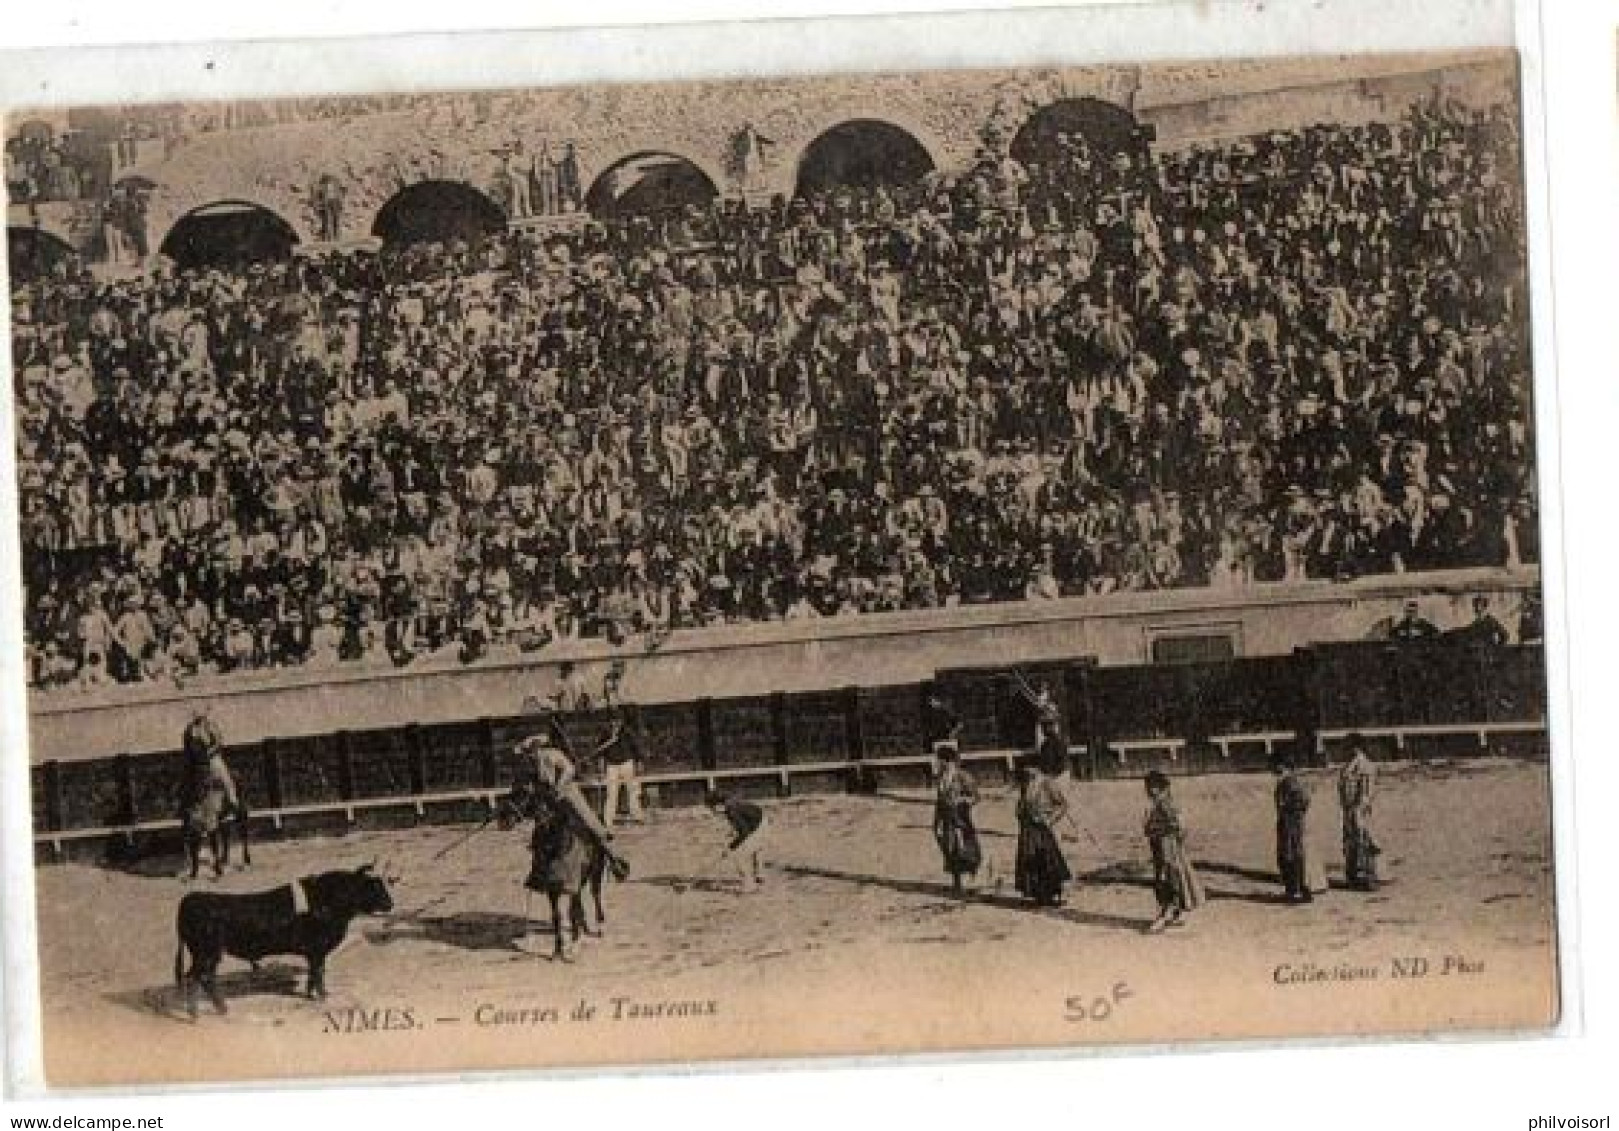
(432, 171)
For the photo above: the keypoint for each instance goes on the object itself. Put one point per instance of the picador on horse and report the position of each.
(570, 846)
(209, 802)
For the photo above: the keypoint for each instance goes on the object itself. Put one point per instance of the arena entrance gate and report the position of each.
(862, 154)
(228, 233)
(437, 212)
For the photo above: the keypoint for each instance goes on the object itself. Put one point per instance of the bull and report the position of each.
(308, 917)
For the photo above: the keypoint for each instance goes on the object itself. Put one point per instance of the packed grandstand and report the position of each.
(1296, 355)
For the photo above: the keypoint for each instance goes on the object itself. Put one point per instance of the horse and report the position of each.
(211, 819)
(567, 858)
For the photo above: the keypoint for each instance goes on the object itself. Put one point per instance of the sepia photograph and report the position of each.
(632, 574)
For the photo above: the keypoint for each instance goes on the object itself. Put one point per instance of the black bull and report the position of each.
(259, 924)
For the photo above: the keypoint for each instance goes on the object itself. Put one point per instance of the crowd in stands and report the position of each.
(43, 166)
(1297, 355)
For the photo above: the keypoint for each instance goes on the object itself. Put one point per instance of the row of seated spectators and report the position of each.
(1300, 355)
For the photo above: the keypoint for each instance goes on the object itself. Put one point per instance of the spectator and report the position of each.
(1412, 628)
(1530, 620)
(1484, 631)
(572, 693)
(620, 752)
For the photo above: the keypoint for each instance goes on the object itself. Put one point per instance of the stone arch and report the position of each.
(178, 194)
(228, 231)
(1108, 127)
(33, 251)
(662, 180)
(437, 210)
(862, 151)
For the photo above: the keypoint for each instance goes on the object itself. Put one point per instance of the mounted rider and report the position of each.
(568, 839)
(208, 794)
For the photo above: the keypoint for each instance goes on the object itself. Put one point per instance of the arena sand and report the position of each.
(853, 946)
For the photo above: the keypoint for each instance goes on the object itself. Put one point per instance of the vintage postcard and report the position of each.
(882, 563)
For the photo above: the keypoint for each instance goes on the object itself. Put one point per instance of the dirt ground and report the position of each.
(854, 945)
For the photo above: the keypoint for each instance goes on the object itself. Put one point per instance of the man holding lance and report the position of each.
(1036, 714)
(569, 844)
(941, 732)
(1050, 737)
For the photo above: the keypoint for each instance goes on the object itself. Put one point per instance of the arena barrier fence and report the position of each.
(1441, 699)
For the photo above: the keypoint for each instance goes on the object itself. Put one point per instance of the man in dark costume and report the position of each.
(953, 827)
(1292, 803)
(1412, 627)
(1041, 808)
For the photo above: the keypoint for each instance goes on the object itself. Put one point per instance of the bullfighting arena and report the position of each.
(853, 945)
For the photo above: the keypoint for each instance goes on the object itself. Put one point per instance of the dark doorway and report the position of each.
(649, 184)
(862, 154)
(33, 253)
(226, 234)
(437, 212)
(1110, 130)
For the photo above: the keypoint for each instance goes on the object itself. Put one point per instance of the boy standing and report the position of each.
(1175, 881)
(619, 754)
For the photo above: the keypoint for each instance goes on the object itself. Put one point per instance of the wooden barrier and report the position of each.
(1181, 718)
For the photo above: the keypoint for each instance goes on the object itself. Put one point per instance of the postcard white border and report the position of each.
(1101, 33)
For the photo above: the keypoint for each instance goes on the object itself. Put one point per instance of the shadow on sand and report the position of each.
(940, 890)
(1272, 881)
(686, 883)
(467, 930)
(162, 855)
(983, 834)
(919, 798)
(1117, 875)
(1263, 898)
(1257, 875)
(277, 979)
(155, 866)
(1138, 876)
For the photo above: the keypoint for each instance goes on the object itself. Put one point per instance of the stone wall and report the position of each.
(459, 136)
(1363, 99)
